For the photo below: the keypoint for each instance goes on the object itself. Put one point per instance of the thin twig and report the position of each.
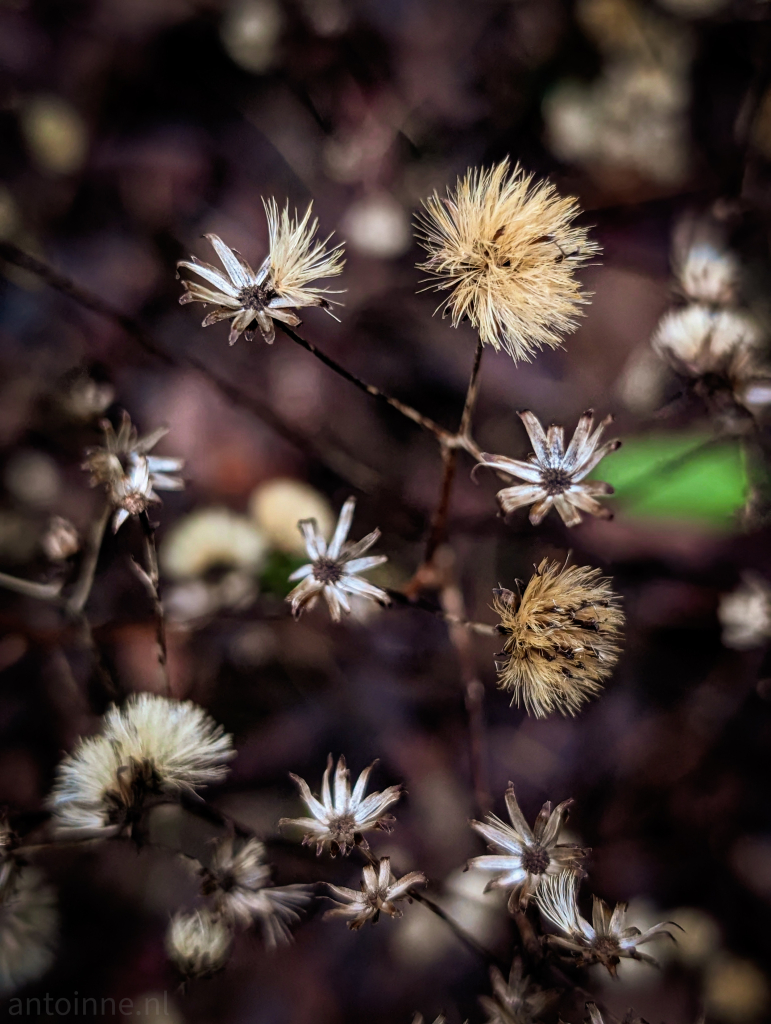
(43, 591)
(82, 589)
(401, 600)
(460, 933)
(151, 579)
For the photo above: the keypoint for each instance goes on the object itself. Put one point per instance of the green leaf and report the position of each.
(682, 477)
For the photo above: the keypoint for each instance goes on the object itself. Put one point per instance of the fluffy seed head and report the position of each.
(561, 638)
(505, 249)
(198, 943)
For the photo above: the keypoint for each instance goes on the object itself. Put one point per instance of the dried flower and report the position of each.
(595, 1017)
(506, 248)
(553, 476)
(198, 943)
(60, 540)
(605, 941)
(152, 745)
(518, 1002)
(278, 504)
(238, 878)
(333, 570)
(281, 284)
(210, 540)
(524, 857)
(379, 893)
(29, 924)
(561, 638)
(698, 339)
(341, 822)
(745, 613)
(128, 473)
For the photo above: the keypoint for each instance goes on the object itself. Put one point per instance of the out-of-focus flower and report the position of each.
(736, 991)
(518, 1002)
(237, 876)
(55, 133)
(333, 570)
(553, 476)
(595, 1016)
(707, 273)
(29, 924)
(126, 471)
(380, 891)
(505, 248)
(341, 822)
(82, 398)
(523, 857)
(282, 282)
(250, 31)
(562, 638)
(33, 478)
(277, 506)
(378, 226)
(698, 339)
(152, 745)
(605, 941)
(210, 540)
(198, 943)
(60, 540)
(745, 613)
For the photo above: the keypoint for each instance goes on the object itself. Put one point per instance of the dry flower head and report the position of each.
(505, 249)
(198, 943)
(380, 892)
(518, 1001)
(562, 638)
(281, 284)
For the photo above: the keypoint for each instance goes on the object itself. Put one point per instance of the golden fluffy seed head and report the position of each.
(505, 248)
(562, 638)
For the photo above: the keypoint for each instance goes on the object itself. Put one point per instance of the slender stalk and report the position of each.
(400, 599)
(82, 589)
(460, 933)
(43, 591)
(153, 582)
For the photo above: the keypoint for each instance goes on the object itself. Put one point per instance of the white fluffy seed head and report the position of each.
(198, 943)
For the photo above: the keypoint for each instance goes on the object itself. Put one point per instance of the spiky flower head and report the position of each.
(606, 940)
(524, 857)
(128, 473)
(505, 249)
(198, 943)
(380, 891)
(333, 569)
(152, 745)
(238, 879)
(282, 283)
(29, 923)
(562, 638)
(341, 822)
(553, 476)
(519, 1001)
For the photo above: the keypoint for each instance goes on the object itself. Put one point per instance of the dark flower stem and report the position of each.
(153, 583)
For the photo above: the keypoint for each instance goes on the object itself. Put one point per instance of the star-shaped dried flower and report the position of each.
(524, 857)
(126, 471)
(505, 249)
(605, 941)
(341, 822)
(518, 1002)
(561, 637)
(237, 877)
(553, 476)
(379, 893)
(281, 284)
(333, 570)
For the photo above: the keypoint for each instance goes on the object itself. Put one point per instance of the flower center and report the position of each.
(343, 829)
(556, 480)
(326, 571)
(535, 860)
(255, 296)
(606, 946)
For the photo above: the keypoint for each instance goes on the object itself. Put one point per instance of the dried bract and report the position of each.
(282, 283)
(198, 943)
(554, 476)
(562, 638)
(333, 570)
(126, 471)
(605, 941)
(152, 745)
(524, 857)
(238, 877)
(29, 924)
(505, 248)
(380, 891)
(340, 822)
(517, 1002)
